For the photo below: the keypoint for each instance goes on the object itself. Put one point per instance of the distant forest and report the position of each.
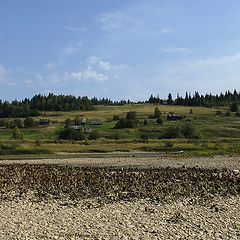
(33, 106)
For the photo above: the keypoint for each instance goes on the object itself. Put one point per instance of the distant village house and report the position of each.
(76, 127)
(87, 130)
(174, 117)
(96, 122)
(44, 122)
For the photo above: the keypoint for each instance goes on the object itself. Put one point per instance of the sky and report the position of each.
(118, 49)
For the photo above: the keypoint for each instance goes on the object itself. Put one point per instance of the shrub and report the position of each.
(4, 123)
(131, 115)
(116, 117)
(76, 121)
(126, 123)
(189, 131)
(16, 123)
(29, 122)
(191, 111)
(172, 132)
(68, 122)
(157, 113)
(71, 134)
(145, 122)
(233, 107)
(228, 114)
(159, 121)
(218, 112)
(94, 135)
(17, 134)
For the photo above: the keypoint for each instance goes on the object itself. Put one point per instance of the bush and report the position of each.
(233, 107)
(4, 123)
(131, 115)
(145, 122)
(157, 113)
(116, 117)
(68, 122)
(29, 122)
(126, 123)
(159, 121)
(218, 112)
(189, 131)
(16, 123)
(71, 134)
(94, 135)
(76, 121)
(172, 132)
(228, 114)
(17, 134)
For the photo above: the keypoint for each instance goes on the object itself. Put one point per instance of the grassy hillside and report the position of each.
(215, 133)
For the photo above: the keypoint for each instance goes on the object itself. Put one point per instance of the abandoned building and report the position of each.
(174, 117)
(76, 127)
(96, 122)
(87, 130)
(44, 122)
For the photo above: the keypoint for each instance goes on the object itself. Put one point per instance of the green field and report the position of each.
(215, 133)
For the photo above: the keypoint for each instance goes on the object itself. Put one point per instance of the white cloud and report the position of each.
(105, 65)
(90, 74)
(92, 60)
(177, 50)
(49, 66)
(208, 75)
(167, 30)
(74, 29)
(76, 76)
(5, 78)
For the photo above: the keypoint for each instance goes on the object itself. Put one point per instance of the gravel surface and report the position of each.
(29, 218)
(220, 162)
(140, 219)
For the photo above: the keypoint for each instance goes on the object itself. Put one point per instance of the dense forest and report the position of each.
(207, 100)
(51, 102)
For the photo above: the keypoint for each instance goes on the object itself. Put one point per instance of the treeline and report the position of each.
(51, 102)
(31, 107)
(207, 100)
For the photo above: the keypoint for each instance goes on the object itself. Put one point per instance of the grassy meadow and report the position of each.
(215, 133)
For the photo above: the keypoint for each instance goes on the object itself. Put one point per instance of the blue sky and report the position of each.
(120, 49)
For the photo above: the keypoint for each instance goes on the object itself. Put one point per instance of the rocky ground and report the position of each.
(139, 219)
(25, 216)
(136, 160)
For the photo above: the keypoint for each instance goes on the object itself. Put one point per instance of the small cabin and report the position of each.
(174, 117)
(96, 122)
(76, 127)
(44, 122)
(87, 130)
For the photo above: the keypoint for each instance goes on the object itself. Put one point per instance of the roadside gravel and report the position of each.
(28, 218)
(140, 219)
(104, 160)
